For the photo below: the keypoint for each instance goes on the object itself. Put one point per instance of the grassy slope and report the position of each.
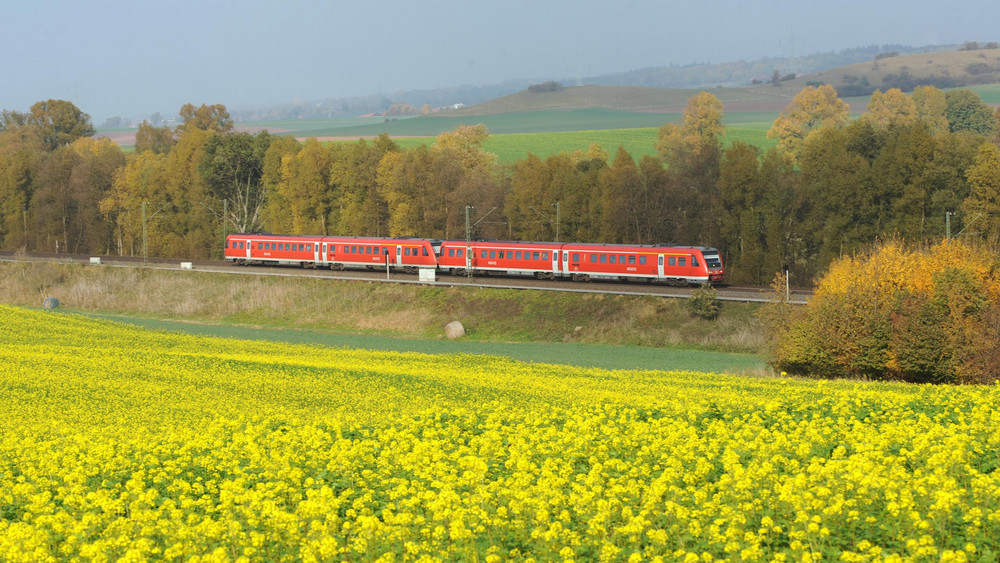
(613, 331)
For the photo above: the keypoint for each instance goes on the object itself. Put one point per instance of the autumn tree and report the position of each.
(931, 106)
(276, 215)
(622, 200)
(140, 181)
(156, 139)
(982, 207)
(20, 148)
(359, 208)
(305, 189)
(207, 118)
(893, 108)
(691, 151)
(70, 181)
(428, 189)
(896, 313)
(811, 109)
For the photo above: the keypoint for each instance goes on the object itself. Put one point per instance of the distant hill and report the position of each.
(625, 98)
(945, 69)
(696, 76)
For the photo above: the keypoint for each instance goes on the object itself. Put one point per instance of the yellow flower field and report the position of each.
(118, 443)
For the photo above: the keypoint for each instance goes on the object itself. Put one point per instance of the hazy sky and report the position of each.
(133, 58)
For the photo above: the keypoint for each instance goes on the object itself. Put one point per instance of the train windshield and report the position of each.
(712, 261)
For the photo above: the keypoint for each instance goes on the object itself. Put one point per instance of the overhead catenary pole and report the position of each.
(468, 243)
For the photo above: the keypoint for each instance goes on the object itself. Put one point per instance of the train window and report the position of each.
(241, 245)
(642, 259)
(425, 251)
(483, 254)
(593, 258)
(681, 261)
(612, 259)
(621, 258)
(631, 259)
(545, 256)
(576, 257)
(518, 255)
(694, 260)
(451, 252)
(671, 261)
(461, 252)
(493, 254)
(604, 258)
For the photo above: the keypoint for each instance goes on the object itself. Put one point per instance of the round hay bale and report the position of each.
(454, 330)
(50, 303)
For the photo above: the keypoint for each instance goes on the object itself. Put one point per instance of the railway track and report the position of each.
(750, 294)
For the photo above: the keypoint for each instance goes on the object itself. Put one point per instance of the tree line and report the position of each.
(912, 166)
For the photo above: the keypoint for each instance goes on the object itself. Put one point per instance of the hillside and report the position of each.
(626, 98)
(946, 69)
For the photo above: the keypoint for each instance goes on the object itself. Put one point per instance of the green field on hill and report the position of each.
(639, 142)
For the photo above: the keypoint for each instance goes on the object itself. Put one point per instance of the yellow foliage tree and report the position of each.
(893, 108)
(897, 313)
(811, 109)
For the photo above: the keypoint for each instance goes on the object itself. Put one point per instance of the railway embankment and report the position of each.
(397, 310)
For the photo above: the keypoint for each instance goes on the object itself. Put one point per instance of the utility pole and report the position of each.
(468, 243)
(947, 224)
(557, 220)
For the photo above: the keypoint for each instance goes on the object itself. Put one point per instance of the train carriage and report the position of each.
(678, 265)
(405, 254)
(511, 258)
(268, 249)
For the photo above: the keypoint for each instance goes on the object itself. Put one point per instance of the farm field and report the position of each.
(120, 442)
(512, 147)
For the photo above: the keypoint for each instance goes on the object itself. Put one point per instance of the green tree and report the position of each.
(233, 167)
(967, 112)
(59, 122)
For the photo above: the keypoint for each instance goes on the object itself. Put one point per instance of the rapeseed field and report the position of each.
(122, 444)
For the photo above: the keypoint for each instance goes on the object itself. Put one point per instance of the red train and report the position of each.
(679, 265)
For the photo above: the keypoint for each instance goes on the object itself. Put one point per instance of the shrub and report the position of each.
(920, 316)
(704, 302)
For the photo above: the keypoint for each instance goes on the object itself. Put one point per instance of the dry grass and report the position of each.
(488, 314)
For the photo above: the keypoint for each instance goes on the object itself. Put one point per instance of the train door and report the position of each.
(248, 249)
(316, 254)
(555, 262)
(399, 255)
(659, 267)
